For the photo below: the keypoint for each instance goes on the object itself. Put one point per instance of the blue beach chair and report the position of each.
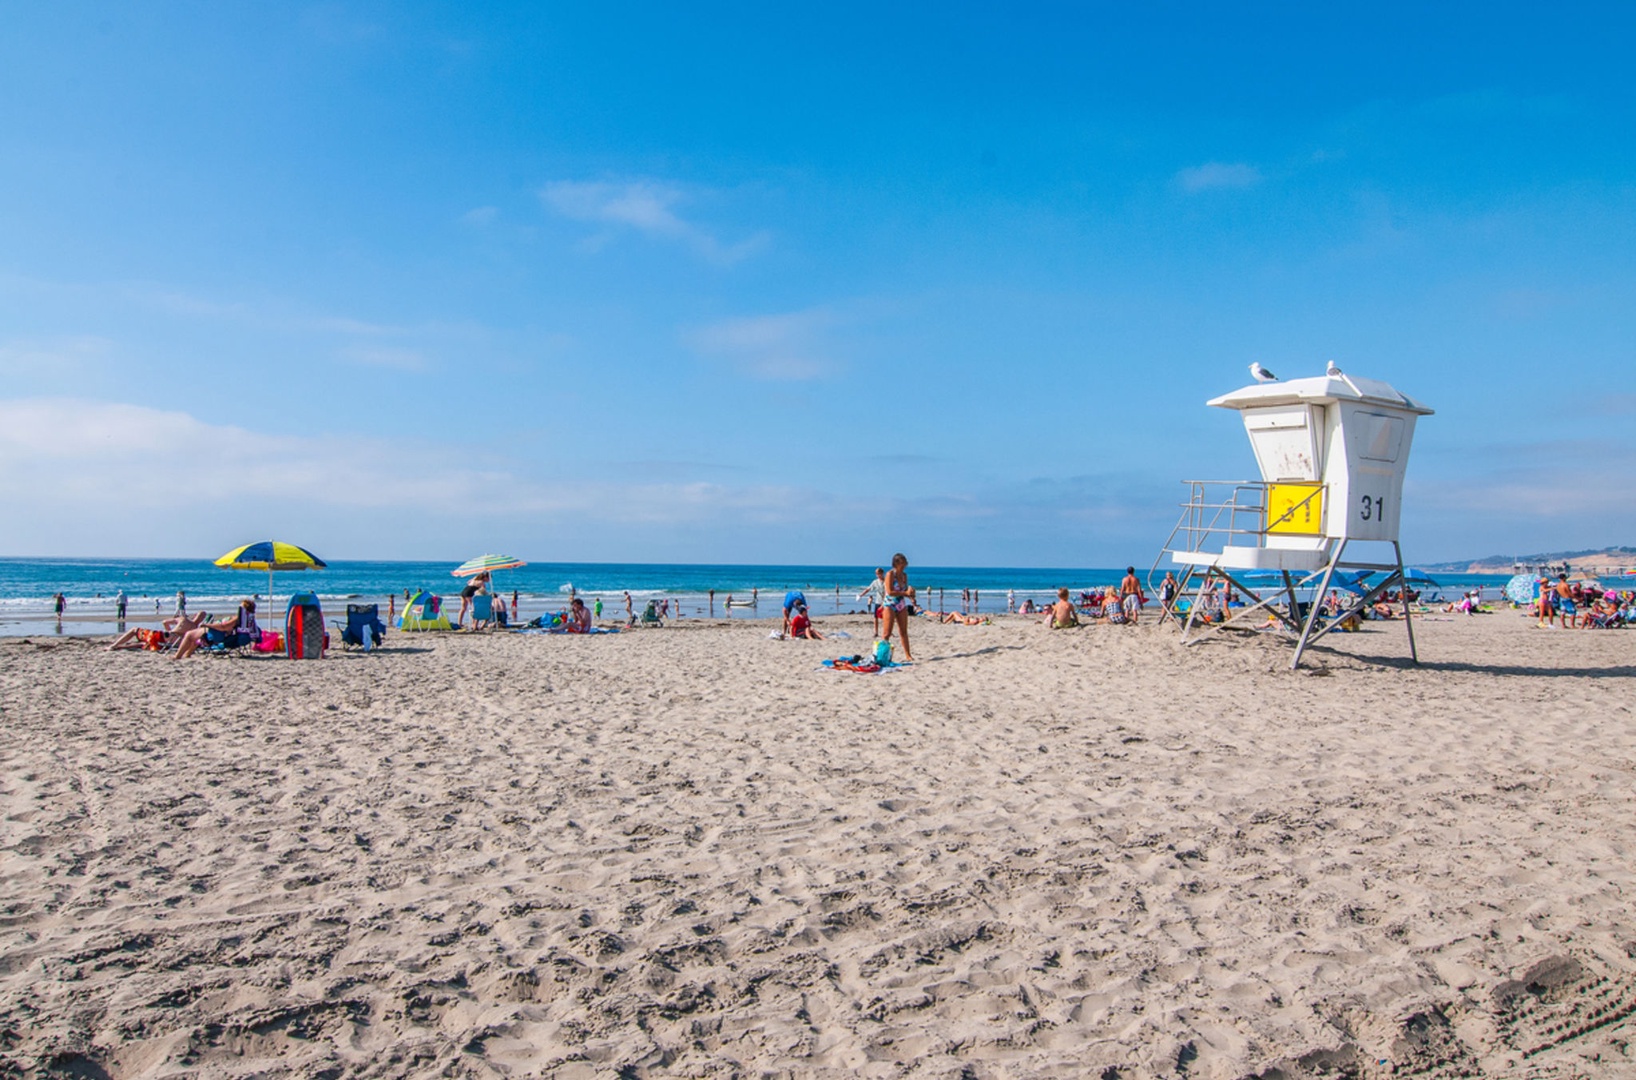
(364, 629)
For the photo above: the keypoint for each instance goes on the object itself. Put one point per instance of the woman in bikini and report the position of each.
(897, 604)
(141, 637)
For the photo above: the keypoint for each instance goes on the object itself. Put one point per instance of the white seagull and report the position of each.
(1333, 370)
(1261, 374)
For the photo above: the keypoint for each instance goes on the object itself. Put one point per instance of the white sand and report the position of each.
(691, 852)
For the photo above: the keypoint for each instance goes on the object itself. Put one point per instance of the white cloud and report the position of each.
(86, 477)
(645, 206)
(782, 347)
(480, 215)
(1217, 174)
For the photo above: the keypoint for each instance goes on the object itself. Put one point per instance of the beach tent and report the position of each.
(1522, 589)
(424, 612)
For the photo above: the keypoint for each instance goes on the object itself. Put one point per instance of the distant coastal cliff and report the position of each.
(1591, 560)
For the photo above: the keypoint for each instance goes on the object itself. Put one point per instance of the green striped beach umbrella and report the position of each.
(487, 562)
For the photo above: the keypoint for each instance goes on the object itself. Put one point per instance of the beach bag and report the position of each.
(304, 628)
(883, 653)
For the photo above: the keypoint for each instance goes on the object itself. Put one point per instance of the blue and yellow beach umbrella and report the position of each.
(271, 556)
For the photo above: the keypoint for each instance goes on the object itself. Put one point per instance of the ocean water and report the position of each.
(27, 587)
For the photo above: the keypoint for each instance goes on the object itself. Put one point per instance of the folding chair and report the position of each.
(364, 629)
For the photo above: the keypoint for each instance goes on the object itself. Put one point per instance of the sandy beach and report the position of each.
(694, 852)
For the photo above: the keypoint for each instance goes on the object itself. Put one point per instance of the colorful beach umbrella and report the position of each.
(1522, 589)
(271, 556)
(487, 562)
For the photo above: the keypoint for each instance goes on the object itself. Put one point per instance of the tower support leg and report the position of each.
(1403, 587)
(1317, 605)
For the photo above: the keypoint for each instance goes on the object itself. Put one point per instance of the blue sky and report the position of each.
(747, 284)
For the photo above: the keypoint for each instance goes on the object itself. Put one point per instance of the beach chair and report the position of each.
(222, 648)
(364, 629)
(482, 611)
(650, 615)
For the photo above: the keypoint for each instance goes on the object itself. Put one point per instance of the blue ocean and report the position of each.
(27, 586)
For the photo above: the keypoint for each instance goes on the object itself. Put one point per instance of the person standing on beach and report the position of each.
(712, 603)
(476, 585)
(1130, 595)
(60, 602)
(1567, 609)
(1010, 601)
(897, 603)
(630, 614)
(1544, 603)
(597, 605)
(119, 605)
(181, 603)
(1168, 589)
(874, 595)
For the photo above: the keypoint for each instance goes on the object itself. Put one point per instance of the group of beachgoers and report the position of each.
(1114, 605)
(187, 634)
(1581, 605)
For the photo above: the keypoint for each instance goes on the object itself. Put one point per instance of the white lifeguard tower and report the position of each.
(1332, 452)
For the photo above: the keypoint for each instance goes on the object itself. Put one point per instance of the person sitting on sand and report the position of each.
(801, 625)
(1113, 609)
(579, 617)
(143, 637)
(234, 632)
(1062, 616)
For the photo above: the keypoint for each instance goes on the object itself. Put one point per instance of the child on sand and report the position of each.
(1063, 616)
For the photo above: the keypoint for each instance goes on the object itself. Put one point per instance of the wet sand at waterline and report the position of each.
(693, 852)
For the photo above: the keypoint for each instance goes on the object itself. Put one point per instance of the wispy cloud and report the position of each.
(788, 347)
(72, 469)
(385, 357)
(34, 356)
(480, 215)
(1217, 174)
(645, 206)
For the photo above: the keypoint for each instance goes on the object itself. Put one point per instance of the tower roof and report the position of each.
(1320, 390)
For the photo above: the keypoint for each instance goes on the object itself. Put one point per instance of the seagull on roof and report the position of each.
(1261, 374)
(1333, 370)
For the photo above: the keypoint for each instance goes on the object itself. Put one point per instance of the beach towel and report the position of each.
(564, 630)
(863, 665)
